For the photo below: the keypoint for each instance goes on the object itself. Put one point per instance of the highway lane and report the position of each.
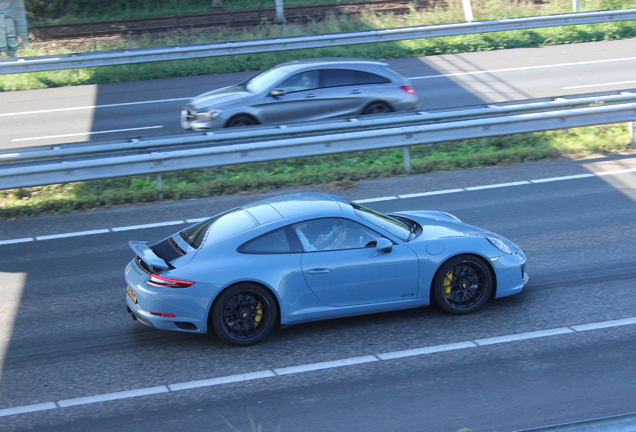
(72, 338)
(147, 108)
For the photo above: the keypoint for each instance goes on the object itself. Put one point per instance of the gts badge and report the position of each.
(407, 295)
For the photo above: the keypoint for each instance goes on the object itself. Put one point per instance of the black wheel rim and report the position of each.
(241, 121)
(464, 285)
(378, 109)
(245, 315)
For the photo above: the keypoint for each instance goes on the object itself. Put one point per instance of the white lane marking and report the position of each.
(572, 177)
(500, 185)
(621, 171)
(423, 194)
(599, 85)
(73, 234)
(422, 77)
(604, 324)
(196, 220)
(86, 133)
(112, 396)
(368, 200)
(326, 365)
(481, 72)
(317, 366)
(20, 240)
(426, 350)
(28, 409)
(150, 225)
(221, 380)
(523, 336)
(92, 107)
(388, 198)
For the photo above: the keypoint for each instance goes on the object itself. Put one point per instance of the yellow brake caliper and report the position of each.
(258, 316)
(447, 284)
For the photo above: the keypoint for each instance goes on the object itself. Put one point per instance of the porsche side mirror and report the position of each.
(276, 92)
(384, 245)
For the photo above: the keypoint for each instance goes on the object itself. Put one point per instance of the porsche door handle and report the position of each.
(355, 92)
(310, 96)
(316, 272)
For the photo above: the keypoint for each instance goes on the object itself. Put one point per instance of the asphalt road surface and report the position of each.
(561, 351)
(149, 108)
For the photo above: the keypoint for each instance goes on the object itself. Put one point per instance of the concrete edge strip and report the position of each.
(316, 366)
(360, 201)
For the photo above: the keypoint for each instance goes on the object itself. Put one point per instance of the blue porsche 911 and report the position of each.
(305, 257)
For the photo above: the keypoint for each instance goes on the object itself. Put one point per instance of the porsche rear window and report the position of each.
(219, 228)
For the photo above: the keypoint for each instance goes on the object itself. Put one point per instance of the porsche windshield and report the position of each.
(394, 226)
(218, 228)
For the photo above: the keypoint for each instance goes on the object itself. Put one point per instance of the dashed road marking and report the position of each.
(360, 201)
(347, 362)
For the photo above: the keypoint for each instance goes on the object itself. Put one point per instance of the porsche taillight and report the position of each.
(163, 282)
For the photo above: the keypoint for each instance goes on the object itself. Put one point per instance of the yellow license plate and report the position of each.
(132, 294)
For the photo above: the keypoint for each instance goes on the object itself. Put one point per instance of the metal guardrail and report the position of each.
(109, 58)
(73, 151)
(621, 423)
(43, 171)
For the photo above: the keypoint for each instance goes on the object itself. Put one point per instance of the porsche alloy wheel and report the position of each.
(244, 314)
(463, 285)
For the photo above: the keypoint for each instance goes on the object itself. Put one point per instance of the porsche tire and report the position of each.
(462, 285)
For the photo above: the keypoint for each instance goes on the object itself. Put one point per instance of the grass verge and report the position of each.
(452, 12)
(340, 169)
(335, 171)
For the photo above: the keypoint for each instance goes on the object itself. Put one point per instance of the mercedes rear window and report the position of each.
(218, 228)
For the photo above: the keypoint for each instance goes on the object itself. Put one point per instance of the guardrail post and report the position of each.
(160, 186)
(631, 134)
(407, 159)
(468, 10)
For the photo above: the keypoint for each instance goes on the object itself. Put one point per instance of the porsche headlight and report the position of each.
(207, 115)
(499, 245)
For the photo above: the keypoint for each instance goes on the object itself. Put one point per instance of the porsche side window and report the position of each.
(334, 234)
(272, 243)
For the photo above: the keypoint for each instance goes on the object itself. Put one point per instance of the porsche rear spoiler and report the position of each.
(146, 254)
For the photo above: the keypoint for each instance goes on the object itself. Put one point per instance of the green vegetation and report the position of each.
(42, 12)
(332, 172)
(483, 10)
(335, 171)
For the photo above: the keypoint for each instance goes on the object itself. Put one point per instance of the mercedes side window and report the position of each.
(346, 77)
(300, 82)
